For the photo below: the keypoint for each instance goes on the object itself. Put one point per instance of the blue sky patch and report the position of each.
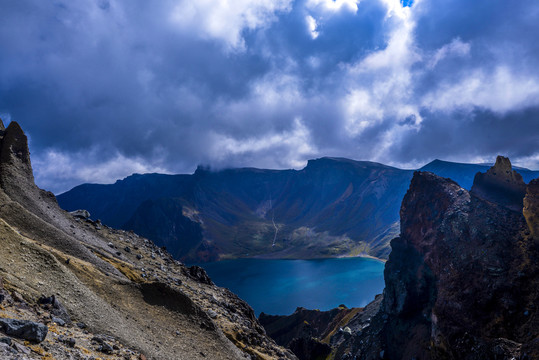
(407, 3)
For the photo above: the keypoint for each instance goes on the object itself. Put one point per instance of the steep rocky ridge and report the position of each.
(332, 207)
(304, 323)
(462, 277)
(461, 281)
(308, 332)
(129, 293)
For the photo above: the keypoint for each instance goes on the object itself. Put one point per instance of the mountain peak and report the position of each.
(17, 141)
(501, 184)
(15, 165)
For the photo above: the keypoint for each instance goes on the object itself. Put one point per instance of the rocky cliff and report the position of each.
(72, 288)
(462, 279)
(461, 282)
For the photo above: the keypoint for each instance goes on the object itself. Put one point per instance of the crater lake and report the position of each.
(278, 287)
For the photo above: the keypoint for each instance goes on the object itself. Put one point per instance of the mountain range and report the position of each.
(332, 207)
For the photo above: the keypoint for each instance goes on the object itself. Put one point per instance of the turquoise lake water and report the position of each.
(279, 286)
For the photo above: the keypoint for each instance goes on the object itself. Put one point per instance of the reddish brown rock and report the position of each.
(531, 207)
(462, 278)
(501, 184)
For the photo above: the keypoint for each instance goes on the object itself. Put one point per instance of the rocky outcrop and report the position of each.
(56, 309)
(24, 329)
(14, 150)
(531, 208)
(199, 274)
(314, 334)
(81, 214)
(501, 184)
(462, 277)
(309, 325)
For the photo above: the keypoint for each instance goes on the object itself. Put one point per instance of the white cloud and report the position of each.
(312, 26)
(273, 135)
(274, 93)
(57, 171)
(379, 85)
(361, 111)
(333, 5)
(296, 142)
(531, 162)
(501, 90)
(224, 19)
(455, 48)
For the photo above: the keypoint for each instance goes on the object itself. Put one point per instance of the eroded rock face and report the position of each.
(81, 214)
(306, 325)
(501, 184)
(462, 278)
(531, 208)
(14, 149)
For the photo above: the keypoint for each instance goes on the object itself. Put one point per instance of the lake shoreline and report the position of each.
(280, 286)
(270, 257)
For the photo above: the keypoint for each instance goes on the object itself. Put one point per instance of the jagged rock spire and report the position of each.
(501, 184)
(14, 145)
(15, 166)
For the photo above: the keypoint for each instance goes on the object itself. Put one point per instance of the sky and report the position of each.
(107, 88)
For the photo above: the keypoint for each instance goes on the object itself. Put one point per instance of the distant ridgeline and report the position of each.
(332, 207)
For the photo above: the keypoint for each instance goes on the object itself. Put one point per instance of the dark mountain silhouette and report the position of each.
(332, 207)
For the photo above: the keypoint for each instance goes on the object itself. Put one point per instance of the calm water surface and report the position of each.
(279, 286)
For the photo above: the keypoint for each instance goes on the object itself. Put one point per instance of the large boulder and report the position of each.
(199, 274)
(81, 214)
(24, 329)
(56, 308)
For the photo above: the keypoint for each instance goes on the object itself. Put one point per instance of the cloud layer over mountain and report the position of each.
(107, 88)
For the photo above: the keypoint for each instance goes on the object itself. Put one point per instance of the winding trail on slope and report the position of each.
(273, 221)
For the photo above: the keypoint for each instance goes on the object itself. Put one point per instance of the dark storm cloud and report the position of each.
(106, 88)
(481, 102)
(463, 134)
